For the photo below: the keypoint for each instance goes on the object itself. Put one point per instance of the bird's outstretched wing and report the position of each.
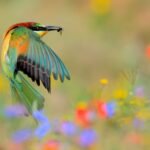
(35, 58)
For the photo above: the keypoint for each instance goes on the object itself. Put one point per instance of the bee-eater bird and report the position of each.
(23, 52)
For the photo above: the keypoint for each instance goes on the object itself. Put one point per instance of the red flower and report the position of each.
(148, 51)
(102, 109)
(52, 145)
(84, 115)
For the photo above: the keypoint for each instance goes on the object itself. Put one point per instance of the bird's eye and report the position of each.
(39, 28)
(36, 28)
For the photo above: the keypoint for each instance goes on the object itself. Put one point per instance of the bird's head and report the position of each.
(36, 27)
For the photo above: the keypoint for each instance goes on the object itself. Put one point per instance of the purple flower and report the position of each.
(87, 137)
(111, 108)
(68, 128)
(139, 91)
(40, 117)
(44, 124)
(42, 130)
(22, 135)
(15, 111)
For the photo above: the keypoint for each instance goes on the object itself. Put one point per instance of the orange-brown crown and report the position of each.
(23, 24)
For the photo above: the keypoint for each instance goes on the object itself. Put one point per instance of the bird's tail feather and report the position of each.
(26, 94)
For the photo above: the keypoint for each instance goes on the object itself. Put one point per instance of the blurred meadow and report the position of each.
(106, 104)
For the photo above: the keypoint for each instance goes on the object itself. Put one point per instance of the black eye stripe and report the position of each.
(37, 28)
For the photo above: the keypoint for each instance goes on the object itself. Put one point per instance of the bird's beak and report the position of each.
(54, 28)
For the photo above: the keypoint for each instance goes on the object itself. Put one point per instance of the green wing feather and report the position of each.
(42, 60)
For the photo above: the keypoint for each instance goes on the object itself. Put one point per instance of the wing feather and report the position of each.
(61, 74)
(64, 69)
(54, 63)
(38, 61)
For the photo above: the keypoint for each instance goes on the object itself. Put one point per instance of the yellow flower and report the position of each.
(121, 94)
(100, 6)
(103, 81)
(82, 105)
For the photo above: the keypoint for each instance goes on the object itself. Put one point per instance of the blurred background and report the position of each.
(106, 105)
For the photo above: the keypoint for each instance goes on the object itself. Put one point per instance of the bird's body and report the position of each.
(23, 52)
